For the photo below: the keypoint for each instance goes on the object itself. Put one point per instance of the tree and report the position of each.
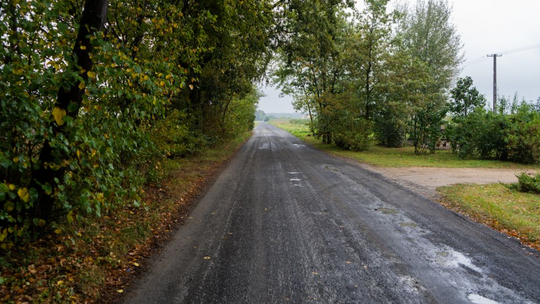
(465, 98)
(85, 85)
(309, 61)
(429, 36)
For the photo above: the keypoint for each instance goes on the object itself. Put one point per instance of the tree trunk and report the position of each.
(92, 21)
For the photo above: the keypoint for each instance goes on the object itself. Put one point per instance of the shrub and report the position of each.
(390, 131)
(354, 135)
(529, 183)
(524, 135)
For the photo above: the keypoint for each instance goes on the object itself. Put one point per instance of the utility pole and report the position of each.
(495, 80)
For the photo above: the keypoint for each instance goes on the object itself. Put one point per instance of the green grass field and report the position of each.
(396, 157)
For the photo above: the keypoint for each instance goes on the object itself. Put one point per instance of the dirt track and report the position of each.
(427, 180)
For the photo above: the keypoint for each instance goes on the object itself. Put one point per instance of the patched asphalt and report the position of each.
(286, 223)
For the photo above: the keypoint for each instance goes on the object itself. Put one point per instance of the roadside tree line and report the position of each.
(387, 75)
(375, 72)
(95, 94)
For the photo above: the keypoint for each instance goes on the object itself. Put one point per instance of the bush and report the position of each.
(529, 183)
(514, 136)
(524, 135)
(354, 136)
(390, 131)
(173, 136)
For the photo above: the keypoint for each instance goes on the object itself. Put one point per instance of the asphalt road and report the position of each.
(285, 223)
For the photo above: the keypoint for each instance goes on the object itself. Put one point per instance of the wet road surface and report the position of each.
(285, 223)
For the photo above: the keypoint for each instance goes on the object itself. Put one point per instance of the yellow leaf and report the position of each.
(207, 258)
(70, 217)
(82, 85)
(58, 115)
(58, 231)
(120, 291)
(60, 282)
(78, 153)
(11, 187)
(24, 195)
(161, 83)
(191, 87)
(16, 160)
(135, 264)
(91, 74)
(83, 47)
(100, 197)
(4, 235)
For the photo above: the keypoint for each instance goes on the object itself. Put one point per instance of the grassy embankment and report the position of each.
(94, 259)
(500, 206)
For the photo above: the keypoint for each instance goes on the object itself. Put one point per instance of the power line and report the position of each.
(521, 49)
(481, 59)
(475, 61)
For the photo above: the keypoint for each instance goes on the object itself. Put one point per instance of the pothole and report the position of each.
(387, 211)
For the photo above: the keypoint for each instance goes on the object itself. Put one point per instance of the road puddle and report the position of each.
(452, 258)
(478, 299)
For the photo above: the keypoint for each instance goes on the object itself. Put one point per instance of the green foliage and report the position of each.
(390, 131)
(173, 135)
(524, 135)
(513, 136)
(260, 115)
(372, 71)
(465, 98)
(529, 183)
(465, 101)
(426, 129)
(161, 79)
(350, 132)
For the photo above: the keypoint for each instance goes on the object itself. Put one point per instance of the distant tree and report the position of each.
(465, 97)
(260, 115)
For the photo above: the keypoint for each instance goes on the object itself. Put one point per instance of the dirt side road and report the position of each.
(285, 223)
(427, 180)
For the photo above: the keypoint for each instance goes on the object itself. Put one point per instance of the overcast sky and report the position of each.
(485, 27)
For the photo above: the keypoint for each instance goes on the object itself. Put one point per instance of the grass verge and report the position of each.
(499, 206)
(395, 157)
(95, 259)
